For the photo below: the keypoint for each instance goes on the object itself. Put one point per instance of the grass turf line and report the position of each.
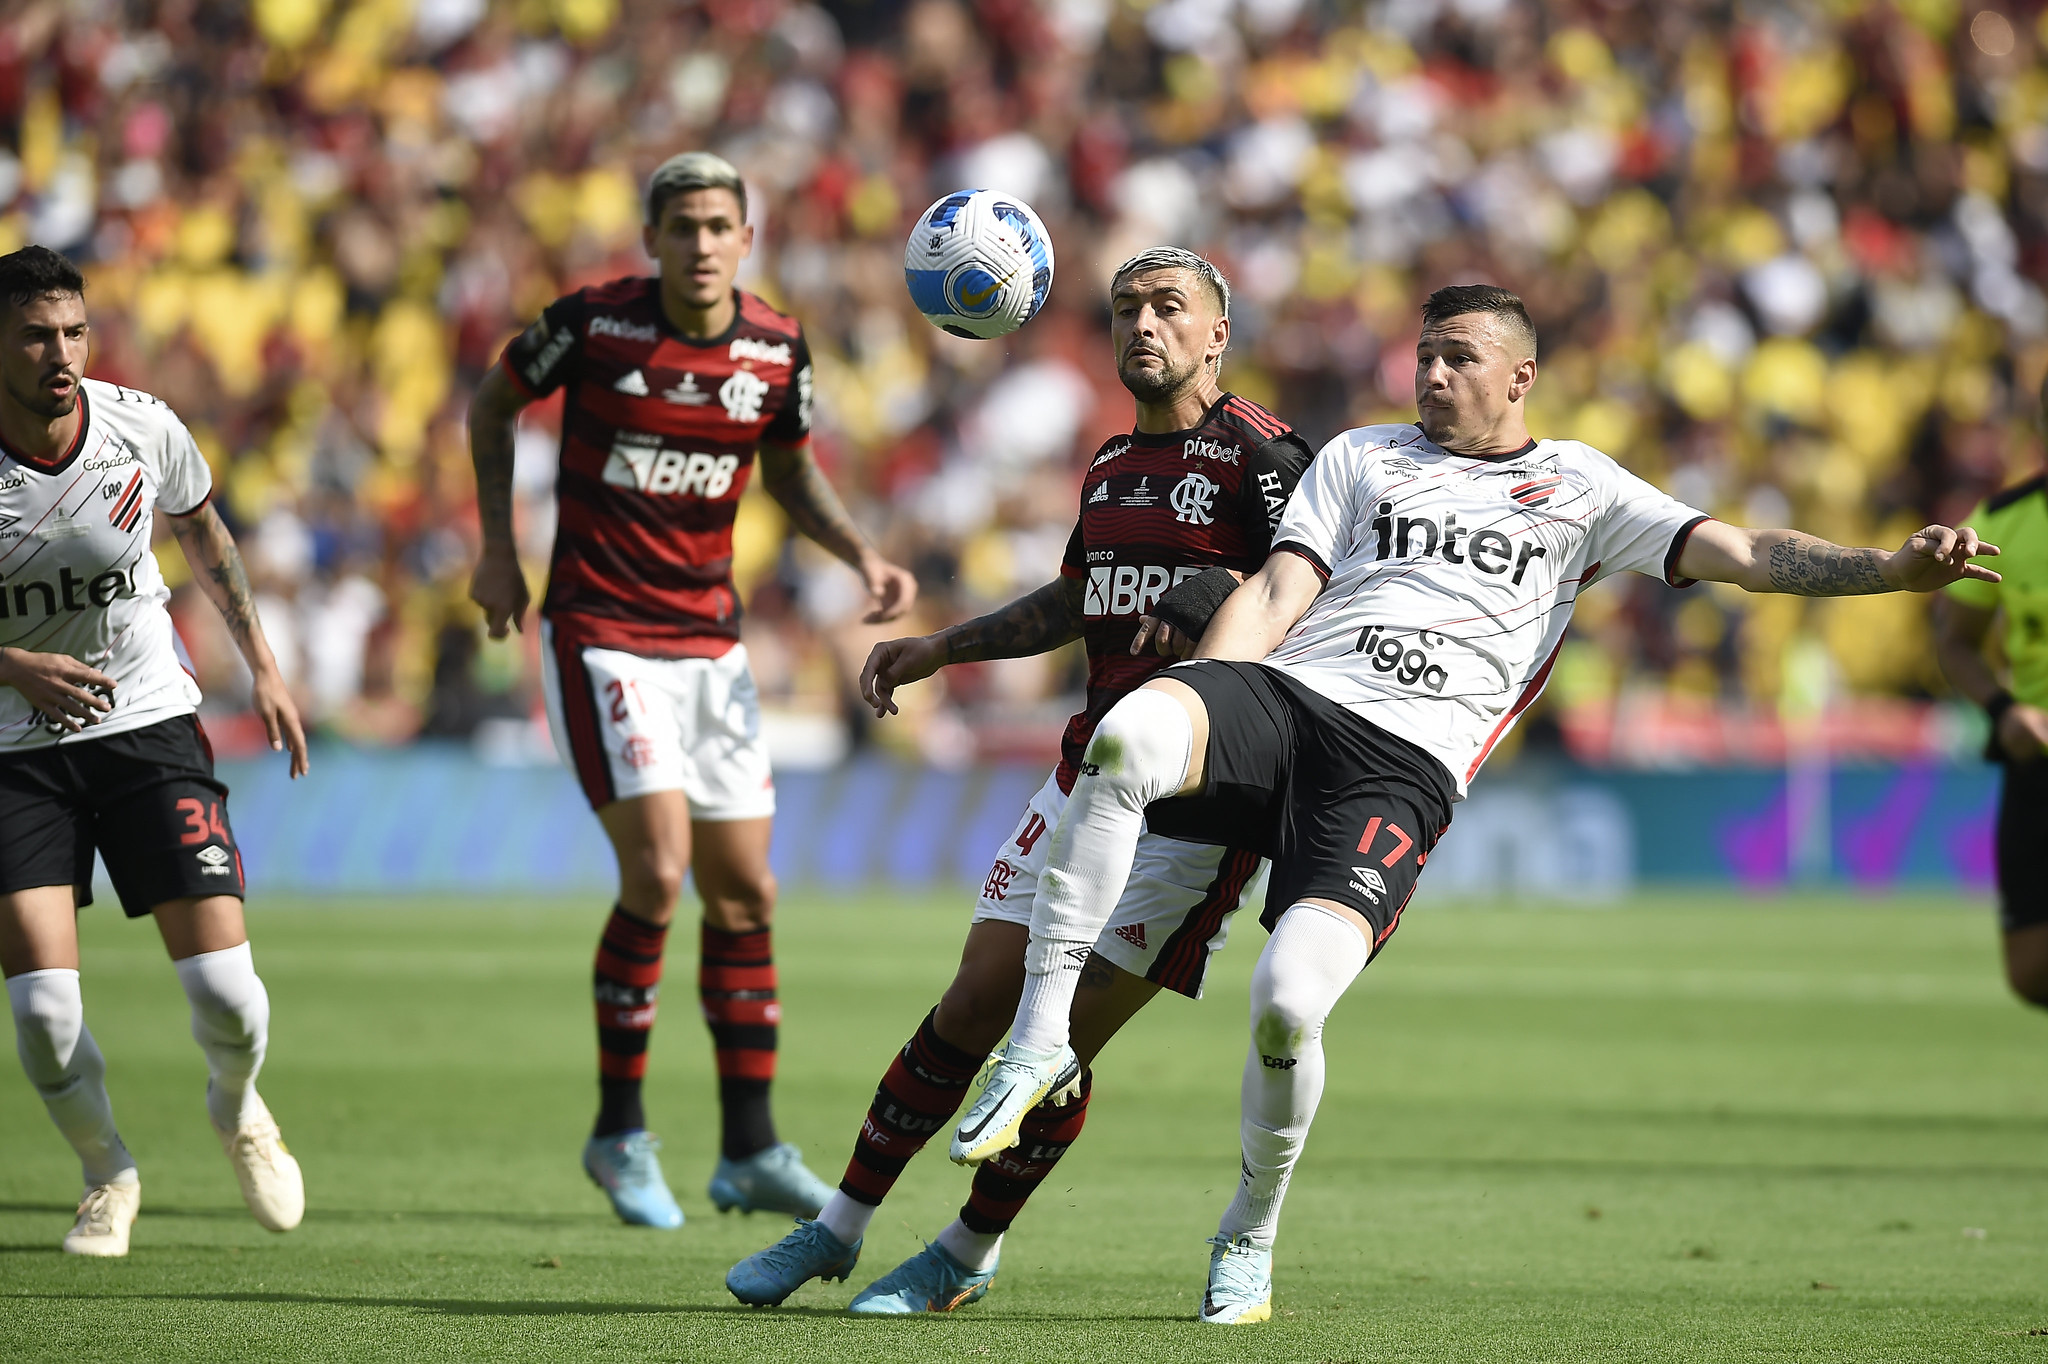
(1692, 1129)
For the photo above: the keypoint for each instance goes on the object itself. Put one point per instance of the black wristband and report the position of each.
(1998, 705)
(1187, 606)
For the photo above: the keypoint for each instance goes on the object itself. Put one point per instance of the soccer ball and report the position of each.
(978, 263)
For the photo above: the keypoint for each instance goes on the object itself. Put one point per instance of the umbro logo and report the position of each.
(213, 860)
(633, 382)
(1401, 464)
(1368, 882)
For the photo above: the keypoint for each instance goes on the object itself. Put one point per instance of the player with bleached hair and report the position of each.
(1341, 700)
(101, 749)
(1172, 514)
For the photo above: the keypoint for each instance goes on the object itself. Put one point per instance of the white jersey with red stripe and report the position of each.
(76, 573)
(1450, 579)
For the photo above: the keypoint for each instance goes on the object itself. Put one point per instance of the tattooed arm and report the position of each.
(499, 584)
(790, 475)
(1804, 565)
(217, 566)
(1035, 623)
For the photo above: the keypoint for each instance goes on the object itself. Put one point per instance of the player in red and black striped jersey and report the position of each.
(1172, 515)
(674, 385)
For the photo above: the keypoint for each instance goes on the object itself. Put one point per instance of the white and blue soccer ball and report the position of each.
(978, 263)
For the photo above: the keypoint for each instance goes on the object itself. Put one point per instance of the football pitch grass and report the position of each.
(1694, 1128)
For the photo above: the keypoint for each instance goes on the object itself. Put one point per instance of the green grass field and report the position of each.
(1689, 1130)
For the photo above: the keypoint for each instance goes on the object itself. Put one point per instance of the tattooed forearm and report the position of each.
(1815, 568)
(793, 478)
(217, 565)
(1035, 623)
(493, 425)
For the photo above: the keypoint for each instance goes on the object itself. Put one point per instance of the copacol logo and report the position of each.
(1410, 666)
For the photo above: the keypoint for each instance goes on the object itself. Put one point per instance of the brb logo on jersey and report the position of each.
(1191, 499)
(650, 469)
(1129, 590)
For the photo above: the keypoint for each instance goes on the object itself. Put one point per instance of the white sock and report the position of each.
(1311, 959)
(231, 1023)
(845, 1217)
(66, 1067)
(974, 1250)
(1139, 754)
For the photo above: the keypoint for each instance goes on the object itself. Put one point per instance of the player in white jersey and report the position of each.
(1420, 581)
(100, 745)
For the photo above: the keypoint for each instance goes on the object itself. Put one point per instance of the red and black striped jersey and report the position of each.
(659, 432)
(1156, 510)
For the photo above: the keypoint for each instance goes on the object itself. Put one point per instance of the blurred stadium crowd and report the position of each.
(1786, 260)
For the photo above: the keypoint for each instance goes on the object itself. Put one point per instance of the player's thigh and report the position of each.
(191, 925)
(1107, 998)
(733, 877)
(2022, 847)
(1198, 719)
(167, 838)
(38, 930)
(1010, 890)
(981, 1003)
(614, 719)
(1176, 909)
(650, 837)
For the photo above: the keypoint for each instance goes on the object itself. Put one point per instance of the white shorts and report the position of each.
(1175, 909)
(628, 726)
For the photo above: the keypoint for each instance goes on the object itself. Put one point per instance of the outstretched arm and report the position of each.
(1035, 623)
(1807, 566)
(792, 477)
(498, 585)
(1254, 619)
(217, 565)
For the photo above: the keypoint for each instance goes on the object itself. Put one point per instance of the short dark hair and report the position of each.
(37, 272)
(1453, 300)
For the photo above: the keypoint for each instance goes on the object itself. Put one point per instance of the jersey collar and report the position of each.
(62, 462)
(1502, 458)
(668, 328)
(1175, 437)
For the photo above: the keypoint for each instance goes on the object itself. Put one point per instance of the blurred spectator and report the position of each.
(1786, 259)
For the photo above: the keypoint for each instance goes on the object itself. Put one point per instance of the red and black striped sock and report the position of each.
(625, 985)
(1007, 1179)
(921, 1089)
(736, 983)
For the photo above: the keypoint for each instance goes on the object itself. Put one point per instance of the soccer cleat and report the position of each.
(1017, 1083)
(1240, 1283)
(624, 1166)
(105, 1215)
(768, 1276)
(774, 1180)
(929, 1281)
(268, 1173)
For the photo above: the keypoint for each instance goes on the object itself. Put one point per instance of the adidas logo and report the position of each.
(1134, 934)
(1101, 493)
(634, 383)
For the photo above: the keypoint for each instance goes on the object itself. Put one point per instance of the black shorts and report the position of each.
(2023, 846)
(146, 799)
(1347, 811)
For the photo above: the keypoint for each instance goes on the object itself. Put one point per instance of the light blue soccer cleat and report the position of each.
(768, 1276)
(774, 1180)
(1240, 1283)
(929, 1281)
(625, 1167)
(1017, 1083)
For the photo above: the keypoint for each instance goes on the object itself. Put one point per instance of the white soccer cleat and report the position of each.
(1017, 1083)
(105, 1216)
(1240, 1283)
(269, 1175)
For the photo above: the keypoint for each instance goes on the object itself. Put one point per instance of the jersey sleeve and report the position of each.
(183, 479)
(1321, 519)
(1642, 529)
(1974, 591)
(1074, 563)
(792, 425)
(546, 355)
(1270, 477)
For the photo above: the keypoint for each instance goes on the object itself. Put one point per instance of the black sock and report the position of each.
(743, 1110)
(618, 1108)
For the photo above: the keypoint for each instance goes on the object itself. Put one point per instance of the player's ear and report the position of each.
(647, 235)
(1219, 341)
(746, 239)
(1523, 380)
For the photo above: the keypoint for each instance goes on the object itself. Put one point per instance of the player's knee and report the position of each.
(2029, 980)
(741, 906)
(49, 1016)
(654, 880)
(1283, 1026)
(1141, 746)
